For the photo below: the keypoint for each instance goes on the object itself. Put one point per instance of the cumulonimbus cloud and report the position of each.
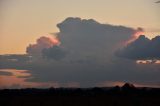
(141, 48)
(83, 38)
(87, 37)
(90, 57)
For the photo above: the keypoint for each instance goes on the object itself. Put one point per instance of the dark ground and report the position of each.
(111, 96)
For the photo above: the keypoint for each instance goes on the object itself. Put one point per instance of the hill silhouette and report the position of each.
(127, 95)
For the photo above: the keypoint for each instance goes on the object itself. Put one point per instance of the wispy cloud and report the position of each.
(157, 2)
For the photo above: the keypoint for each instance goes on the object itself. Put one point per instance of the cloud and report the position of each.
(87, 37)
(86, 55)
(41, 43)
(140, 31)
(157, 2)
(6, 73)
(141, 48)
(15, 57)
(84, 40)
(54, 52)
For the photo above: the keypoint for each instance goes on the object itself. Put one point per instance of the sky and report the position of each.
(79, 43)
(23, 21)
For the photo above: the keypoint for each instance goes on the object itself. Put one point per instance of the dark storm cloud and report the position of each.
(87, 38)
(77, 34)
(54, 52)
(90, 58)
(142, 48)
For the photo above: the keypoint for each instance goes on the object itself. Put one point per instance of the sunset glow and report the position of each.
(135, 36)
(79, 43)
(79, 52)
(18, 78)
(148, 61)
(54, 39)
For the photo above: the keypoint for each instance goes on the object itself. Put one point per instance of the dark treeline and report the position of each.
(127, 95)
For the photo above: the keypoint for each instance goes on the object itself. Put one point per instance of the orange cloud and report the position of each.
(136, 35)
(42, 43)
